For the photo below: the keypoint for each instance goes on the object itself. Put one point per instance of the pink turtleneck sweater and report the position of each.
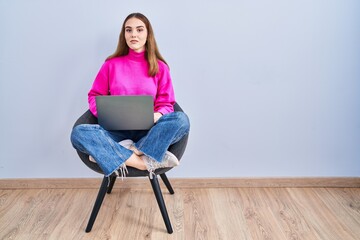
(128, 75)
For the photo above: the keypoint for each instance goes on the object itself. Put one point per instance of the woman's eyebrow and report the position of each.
(135, 27)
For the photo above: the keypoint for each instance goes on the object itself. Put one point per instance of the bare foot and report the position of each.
(136, 162)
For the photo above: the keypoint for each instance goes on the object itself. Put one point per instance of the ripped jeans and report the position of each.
(104, 147)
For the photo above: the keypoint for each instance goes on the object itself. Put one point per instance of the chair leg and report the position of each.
(98, 202)
(111, 185)
(159, 197)
(167, 183)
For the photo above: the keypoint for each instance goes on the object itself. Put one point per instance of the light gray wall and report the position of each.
(271, 87)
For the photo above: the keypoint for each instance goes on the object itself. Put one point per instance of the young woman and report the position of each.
(136, 68)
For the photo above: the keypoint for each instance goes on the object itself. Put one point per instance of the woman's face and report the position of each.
(135, 34)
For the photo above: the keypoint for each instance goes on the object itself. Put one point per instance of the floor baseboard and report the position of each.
(143, 183)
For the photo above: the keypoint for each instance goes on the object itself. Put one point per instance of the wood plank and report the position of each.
(143, 183)
(199, 216)
(259, 219)
(322, 220)
(209, 213)
(288, 216)
(345, 205)
(228, 214)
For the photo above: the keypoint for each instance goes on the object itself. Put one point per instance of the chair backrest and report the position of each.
(177, 149)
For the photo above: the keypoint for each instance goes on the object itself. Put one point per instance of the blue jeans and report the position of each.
(103, 145)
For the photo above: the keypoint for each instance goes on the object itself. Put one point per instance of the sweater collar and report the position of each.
(135, 56)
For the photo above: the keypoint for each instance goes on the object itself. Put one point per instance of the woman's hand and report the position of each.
(157, 116)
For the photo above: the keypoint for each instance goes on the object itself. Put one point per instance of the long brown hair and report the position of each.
(152, 53)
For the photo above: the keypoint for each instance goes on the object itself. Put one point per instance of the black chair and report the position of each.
(108, 182)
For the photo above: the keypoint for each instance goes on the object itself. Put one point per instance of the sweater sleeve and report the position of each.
(165, 97)
(100, 87)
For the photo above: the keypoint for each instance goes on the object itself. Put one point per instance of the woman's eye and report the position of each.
(128, 30)
(140, 30)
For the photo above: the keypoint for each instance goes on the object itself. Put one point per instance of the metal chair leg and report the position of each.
(159, 197)
(111, 185)
(167, 183)
(98, 202)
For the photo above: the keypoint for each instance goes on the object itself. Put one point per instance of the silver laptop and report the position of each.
(125, 112)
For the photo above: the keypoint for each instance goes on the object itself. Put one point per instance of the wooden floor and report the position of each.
(195, 213)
